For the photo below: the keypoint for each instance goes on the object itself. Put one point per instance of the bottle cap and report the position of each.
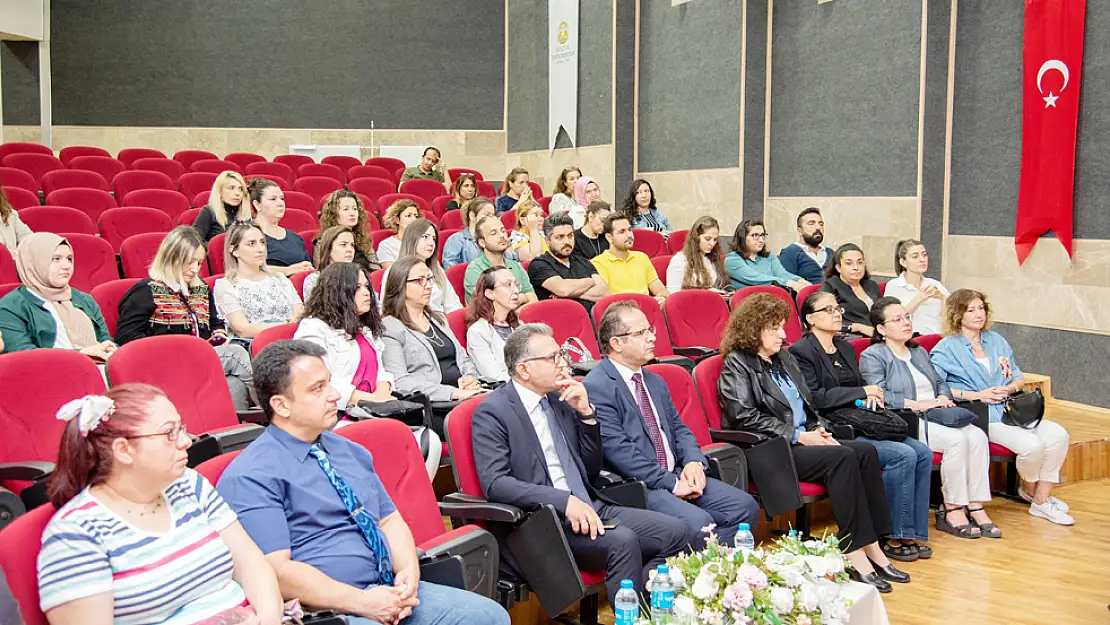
(745, 527)
(626, 583)
(663, 568)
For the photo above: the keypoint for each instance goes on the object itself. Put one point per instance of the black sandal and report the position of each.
(902, 553)
(990, 530)
(967, 530)
(924, 552)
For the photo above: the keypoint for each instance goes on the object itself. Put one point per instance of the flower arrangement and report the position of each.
(792, 582)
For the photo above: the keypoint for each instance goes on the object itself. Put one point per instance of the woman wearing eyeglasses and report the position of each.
(491, 318)
(420, 350)
(750, 263)
(901, 367)
(828, 364)
(128, 507)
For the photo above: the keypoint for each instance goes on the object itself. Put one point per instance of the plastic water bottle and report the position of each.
(744, 541)
(862, 404)
(626, 605)
(662, 597)
(793, 533)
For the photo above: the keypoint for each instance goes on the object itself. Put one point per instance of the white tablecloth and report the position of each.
(867, 605)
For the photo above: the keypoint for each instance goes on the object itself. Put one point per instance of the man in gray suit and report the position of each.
(537, 441)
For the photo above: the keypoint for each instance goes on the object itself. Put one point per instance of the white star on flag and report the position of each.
(1050, 100)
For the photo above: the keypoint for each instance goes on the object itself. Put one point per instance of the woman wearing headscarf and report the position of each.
(46, 311)
(586, 190)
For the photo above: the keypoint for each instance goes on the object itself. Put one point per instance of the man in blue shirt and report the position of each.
(807, 257)
(313, 503)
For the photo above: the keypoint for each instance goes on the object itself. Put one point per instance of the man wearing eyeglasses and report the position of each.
(644, 437)
(537, 441)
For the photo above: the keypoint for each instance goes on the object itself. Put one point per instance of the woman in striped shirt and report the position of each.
(138, 537)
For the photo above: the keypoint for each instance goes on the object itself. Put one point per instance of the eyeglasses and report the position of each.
(243, 222)
(554, 357)
(423, 280)
(828, 310)
(512, 286)
(899, 320)
(639, 333)
(758, 235)
(173, 435)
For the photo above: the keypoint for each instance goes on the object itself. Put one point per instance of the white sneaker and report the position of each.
(1051, 512)
(1052, 500)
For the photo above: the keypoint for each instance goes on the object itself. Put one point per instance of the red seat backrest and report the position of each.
(21, 147)
(298, 278)
(187, 369)
(69, 153)
(215, 166)
(696, 318)
(451, 220)
(167, 166)
(806, 292)
(676, 240)
(280, 170)
(130, 155)
(660, 264)
(92, 202)
(301, 201)
(172, 203)
(377, 277)
(8, 272)
(317, 186)
(293, 161)
(117, 224)
(283, 332)
(706, 373)
(373, 188)
(508, 219)
(388, 163)
(929, 341)
(439, 206)
(196, 182)
(370, 171)
(15, 178)
(456, 319)
(461, 444)
(298, 220)
(456, 275)
(94, 261)
(127, 181)
(216, 253)
(684, 396)
(309, 237)
(245, 159)
(859, 345)
(108, 296)
(649, 242)
(651, 310)
(213, 468)
(69, 178)
(342, 162)
(188, 217)
(57, 219)
(137, 253)
(427, 189)
(8, 287)
(31, 432)
(399, 465)
(486, 189)
(386, 200)
(188, 157)
(793, 325)
(567, 318)
(377, 236)
(106, 166)
(322, 169)
(21, 198)
(35, 164)
(537, 191)
(20, 544)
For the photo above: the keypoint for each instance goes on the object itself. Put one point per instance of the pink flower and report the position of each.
(738, 597)
(752, 576)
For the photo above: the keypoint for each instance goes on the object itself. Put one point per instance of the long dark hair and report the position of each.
(831, 270)
(85, 460)
(696, 275)
(332, 301)
(629, 208)
(481, 307)
(739, 243)
(877, 317)
(396, 284)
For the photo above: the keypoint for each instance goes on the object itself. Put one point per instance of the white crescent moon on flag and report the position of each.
(1052, 64)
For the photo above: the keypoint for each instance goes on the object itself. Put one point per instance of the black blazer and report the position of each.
(855, 311)
(821, 378)
(752, 402)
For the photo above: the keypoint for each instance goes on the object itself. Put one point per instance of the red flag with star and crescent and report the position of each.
(1052, 66)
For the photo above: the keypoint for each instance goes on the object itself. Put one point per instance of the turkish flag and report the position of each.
(1052, 67)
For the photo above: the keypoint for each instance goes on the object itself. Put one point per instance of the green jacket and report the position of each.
(27, 324)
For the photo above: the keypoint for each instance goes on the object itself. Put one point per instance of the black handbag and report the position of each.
(408, 412)
(879, 425)
(1024, 409)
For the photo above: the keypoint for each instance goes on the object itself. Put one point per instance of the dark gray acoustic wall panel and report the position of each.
(986, 121)
(624, 79)
(690, 72)
(269, 63)
(936, 116)
(528, 75)
(845, 85)
(20, 78)
(1055, 353)
(755, 109)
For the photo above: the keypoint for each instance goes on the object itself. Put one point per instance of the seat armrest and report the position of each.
(630, 493)
(252, 415)
(26, 471)
(460, 506)
(842, 432)
(736, 437)
(696, 353)
(237, 437)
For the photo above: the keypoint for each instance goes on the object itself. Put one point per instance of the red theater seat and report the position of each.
(73, 178)
(793, 325)
(280, 170)
(130, 155)
(117, 224)
(106, 166)
(322, 169)
(197, 182)
(15, 178)
(108, 296)
(172, 203)
(567, 319)
(167, 166)
(127, 181)
(69, 153)
(244, 159)
(188, 157)
(293, 161)
(94, 262)
(38, 165)
(57, 219)
(215, 166)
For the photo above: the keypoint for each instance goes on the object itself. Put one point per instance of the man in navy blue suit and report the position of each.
(643, 436)
(537, 441)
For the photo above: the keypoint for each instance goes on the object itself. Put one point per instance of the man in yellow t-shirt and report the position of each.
(625, 270)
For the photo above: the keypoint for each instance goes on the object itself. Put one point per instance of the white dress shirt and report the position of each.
(531, 403)
(926, 318)
(627, 374)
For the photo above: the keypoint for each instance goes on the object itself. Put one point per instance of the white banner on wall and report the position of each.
(562, 71)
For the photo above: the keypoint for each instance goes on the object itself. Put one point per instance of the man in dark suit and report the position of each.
(644, 436)
(537, 441)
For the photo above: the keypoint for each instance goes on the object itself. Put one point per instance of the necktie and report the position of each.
(562, 450)
(370, 531)
(654, 433)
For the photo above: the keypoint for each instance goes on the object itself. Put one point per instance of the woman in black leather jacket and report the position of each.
(762, 392)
